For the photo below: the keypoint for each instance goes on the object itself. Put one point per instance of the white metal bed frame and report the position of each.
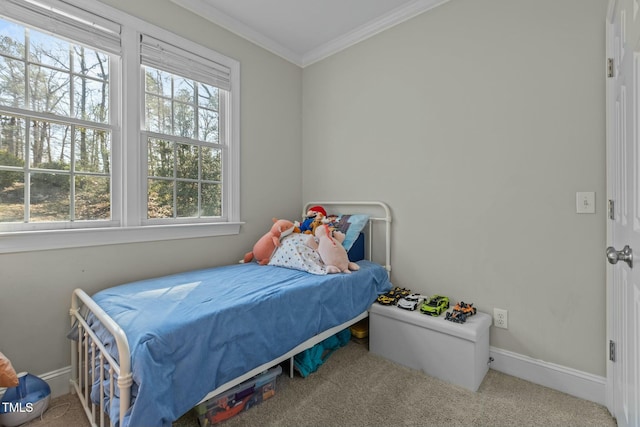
(90, 351)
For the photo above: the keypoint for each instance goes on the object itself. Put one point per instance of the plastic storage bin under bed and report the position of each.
(240, 398)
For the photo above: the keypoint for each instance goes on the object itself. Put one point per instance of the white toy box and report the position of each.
(454, 352)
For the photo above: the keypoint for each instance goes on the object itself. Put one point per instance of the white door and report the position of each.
(623, 225)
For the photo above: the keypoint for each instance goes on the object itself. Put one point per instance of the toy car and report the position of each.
(435, 305)
(409, 302)
(392, 297)
(386, 300)
(456, 316)
(461, 311)
(467, 309)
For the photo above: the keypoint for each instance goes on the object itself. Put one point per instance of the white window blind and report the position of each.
(164, 56)
(66, 21)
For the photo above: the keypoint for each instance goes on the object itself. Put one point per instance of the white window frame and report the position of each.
(129, 158)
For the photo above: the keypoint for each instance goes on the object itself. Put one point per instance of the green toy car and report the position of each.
(435, 305)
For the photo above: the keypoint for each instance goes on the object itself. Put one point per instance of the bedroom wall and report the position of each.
(36, 287)
(477, 122)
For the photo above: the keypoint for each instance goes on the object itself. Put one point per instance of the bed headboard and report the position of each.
(378, 227)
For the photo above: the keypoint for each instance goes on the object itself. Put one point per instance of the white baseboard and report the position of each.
(59, 381)
(567, 380)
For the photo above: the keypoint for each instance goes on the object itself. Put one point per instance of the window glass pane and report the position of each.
(49, 90)
(211, 204)
(208, 125)
(160, 158)
(160, 198)
(92, 199)
(91, 63)
(211, 164)
(50, 197)
(187, 199)
(92, 150)
(50, 145)
(184, 120)
(183, 90)
(12, 40)
(158, 114)
(158, 82)
(91, 100)
(208, 96)
(187, 164)
(12, 82)
(12, 136)
(48, 50)
(11, 196)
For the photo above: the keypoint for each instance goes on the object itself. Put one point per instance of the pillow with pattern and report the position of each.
(294, 253)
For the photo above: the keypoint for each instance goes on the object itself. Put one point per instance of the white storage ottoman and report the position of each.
(454, 352)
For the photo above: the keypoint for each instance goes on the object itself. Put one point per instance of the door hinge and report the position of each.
(612, 351)
(611, 207)
(609, 67)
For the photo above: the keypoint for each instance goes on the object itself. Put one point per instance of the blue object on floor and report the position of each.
(28, 400)
(311, 359)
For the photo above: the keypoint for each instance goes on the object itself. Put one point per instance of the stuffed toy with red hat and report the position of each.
(313, 218)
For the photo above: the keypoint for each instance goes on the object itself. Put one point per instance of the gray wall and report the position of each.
(36, 287)
(477, 122)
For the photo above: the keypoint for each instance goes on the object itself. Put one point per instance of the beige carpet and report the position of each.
(356, 388)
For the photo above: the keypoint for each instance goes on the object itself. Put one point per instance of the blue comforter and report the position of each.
(192, 332)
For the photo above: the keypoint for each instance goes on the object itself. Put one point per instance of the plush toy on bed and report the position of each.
(313, 218)
(266, 246)
(331, 251)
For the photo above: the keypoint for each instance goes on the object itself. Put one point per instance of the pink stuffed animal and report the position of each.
(266, 246)
(331, 251)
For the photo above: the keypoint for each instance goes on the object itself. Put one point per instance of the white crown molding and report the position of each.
(216, 16)
(370, 29)
(359, 34)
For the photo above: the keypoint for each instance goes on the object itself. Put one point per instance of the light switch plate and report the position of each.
(585, 202)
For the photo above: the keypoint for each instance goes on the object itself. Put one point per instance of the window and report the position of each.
(185, 100)
(76, 152)
(55, 133)
(184, 156)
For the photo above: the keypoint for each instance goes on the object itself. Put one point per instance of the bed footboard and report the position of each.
(91, 362)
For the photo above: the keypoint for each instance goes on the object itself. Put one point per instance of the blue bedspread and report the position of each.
(192, 332)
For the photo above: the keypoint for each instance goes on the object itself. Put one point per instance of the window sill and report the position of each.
(62, 239)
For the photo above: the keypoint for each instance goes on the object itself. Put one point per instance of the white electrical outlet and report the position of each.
(500, 318)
